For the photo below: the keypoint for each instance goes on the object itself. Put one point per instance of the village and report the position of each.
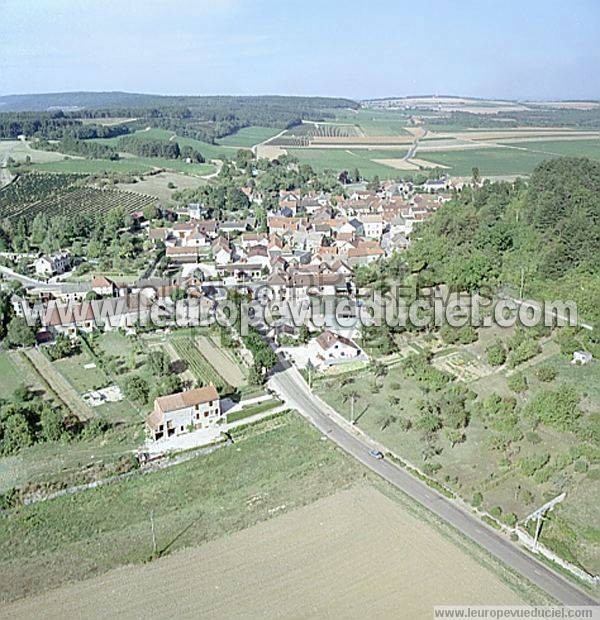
(310, 246)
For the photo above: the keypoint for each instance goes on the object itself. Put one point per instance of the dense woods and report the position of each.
(545, 234)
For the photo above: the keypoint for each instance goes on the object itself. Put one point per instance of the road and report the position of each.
(289, 384)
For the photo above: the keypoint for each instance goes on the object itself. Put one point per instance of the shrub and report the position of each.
(556, 408)
(524, 351)
(517, 383)
(546, 373)
(496, 354)
(581, 466)
(530, 465)
(496, 511)
(477, 499)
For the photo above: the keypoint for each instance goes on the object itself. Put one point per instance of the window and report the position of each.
(206, 414)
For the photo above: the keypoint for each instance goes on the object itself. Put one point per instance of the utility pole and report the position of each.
(153, 533)
(521, 289)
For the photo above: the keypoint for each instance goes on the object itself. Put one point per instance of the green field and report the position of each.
(490, 161)
(568, 148)
(209, 151)
(341, 159)
(10, 378)
(275, 465)
(249, 136)
(95, 166)
(378, 123)
(125, 165)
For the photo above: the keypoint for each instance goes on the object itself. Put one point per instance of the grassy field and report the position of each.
(476, 465)
(10, 378)
(341, 159)
(95, 166)
(569, 148)
(19, 151)
(490, 161)
(71, 538)
(249, 136)
(306, 564)
(157, 185)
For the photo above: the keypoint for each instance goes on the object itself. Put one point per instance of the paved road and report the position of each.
(294, 391)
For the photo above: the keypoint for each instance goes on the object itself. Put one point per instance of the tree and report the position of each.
(17, 433)
(52, 423)
(373, 185)
(19, 334)
(136, 389)
(158, 363)
(475, 175)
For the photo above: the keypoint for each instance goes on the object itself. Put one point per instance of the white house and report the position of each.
(372, 225)
(329, 349)
(185, 412)
(53, 265)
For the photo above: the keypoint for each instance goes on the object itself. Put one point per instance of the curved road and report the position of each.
(295, 392)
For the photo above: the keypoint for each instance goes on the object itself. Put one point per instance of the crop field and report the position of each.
(249, 136)
(273, 467)
(501, 475)
(198, 364)
(304, 560)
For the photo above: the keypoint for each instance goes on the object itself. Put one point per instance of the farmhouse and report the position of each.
(185, 412)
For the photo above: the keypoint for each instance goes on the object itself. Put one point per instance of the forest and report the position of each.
(543, 235)
(203, 118)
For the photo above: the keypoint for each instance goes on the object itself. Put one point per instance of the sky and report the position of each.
(526, 49)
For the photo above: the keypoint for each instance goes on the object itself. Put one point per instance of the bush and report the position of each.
(556, 408)
(496, 512)
(477, 499)
(546, 373)
(530, 465)
(581, 466)
(517, 383)
(496, 354)
(525, 350)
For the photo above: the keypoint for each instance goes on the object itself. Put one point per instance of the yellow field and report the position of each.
(355, 554)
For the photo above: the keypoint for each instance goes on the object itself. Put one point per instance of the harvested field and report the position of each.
(221, 362)
(399, 164)
(423, 163)
(353, 554)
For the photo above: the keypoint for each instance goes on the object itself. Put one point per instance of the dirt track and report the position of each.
(355, 554)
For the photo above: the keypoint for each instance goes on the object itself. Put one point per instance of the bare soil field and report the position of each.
(357, 553)
(423, 163)
(399, 164)
(221, 362)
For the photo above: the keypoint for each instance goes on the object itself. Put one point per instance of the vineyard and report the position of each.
(198, 365)
(301, 135)
(61, 194)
